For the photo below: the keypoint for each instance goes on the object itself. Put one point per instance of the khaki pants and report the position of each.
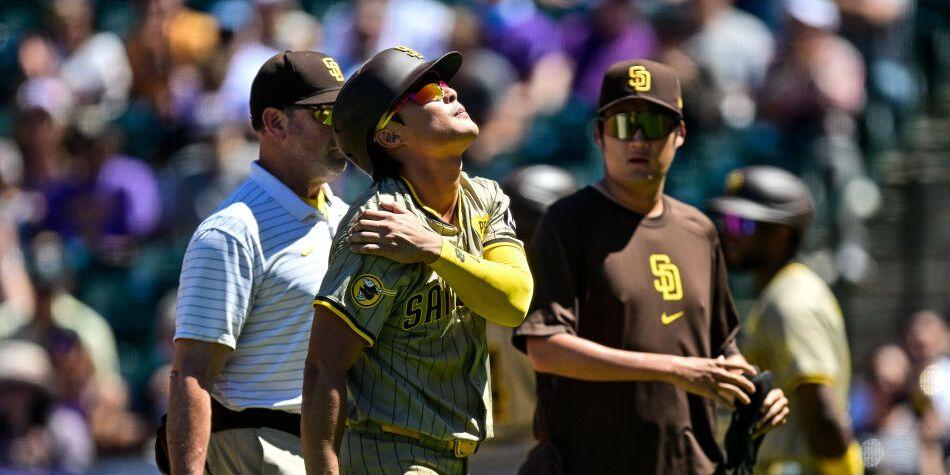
(254, 451)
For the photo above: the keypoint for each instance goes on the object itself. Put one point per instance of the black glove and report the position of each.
(741, 448)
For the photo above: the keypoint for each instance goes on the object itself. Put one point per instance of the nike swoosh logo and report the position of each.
(306, 252)
(668, 319)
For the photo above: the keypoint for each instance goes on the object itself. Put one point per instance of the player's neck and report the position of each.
(436, 183)
(644, 198)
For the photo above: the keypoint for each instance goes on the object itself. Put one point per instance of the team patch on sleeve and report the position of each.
(367, 290)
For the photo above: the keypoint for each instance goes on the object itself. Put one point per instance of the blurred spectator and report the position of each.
(108, 200)
(82, 349)
(928, 344)
(612, 32)
(37, 434)
(171, 43)
(736, 48)
(881, 30)
(19, 208)
(94, 66)
(253, 43)
(893, 432)
(202, 174)
(40, 138)
(353, 31)
(815, 71)
(160, 357)
(55, 310)
(520, 31)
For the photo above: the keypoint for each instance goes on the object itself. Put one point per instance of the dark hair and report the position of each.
(384, 166)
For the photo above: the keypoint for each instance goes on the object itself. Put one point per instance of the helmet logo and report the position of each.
(333, 69)
(734, 181)
(639, 78)
(409, 51)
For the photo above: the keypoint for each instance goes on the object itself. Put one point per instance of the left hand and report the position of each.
(394, 233)
(774, 412)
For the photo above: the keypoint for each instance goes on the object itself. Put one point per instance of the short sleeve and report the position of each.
(724, 319)
(802, 342)
(553, 258)
(501, 223)
(363, 289)
(215, 288)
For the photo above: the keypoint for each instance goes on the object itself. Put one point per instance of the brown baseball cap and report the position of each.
(641, 79)
(295, 78)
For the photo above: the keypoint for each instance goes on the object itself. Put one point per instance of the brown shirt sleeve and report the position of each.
(553, 255)
(724, 320)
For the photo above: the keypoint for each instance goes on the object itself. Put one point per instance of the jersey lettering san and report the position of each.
(433, 303)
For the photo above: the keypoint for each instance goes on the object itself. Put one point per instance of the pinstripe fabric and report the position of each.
(247, 280)
(427, 366)
(386, 454)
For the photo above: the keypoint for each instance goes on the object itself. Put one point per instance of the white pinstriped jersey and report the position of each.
(247, 282)
(427, 365)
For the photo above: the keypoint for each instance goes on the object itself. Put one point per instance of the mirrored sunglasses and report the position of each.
(735, 226)
(624, 125)
(323, 114)
(429, 92)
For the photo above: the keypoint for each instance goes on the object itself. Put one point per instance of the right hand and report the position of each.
(716, 379)
(394, 233)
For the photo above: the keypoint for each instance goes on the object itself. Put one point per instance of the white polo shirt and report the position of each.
(248, 281)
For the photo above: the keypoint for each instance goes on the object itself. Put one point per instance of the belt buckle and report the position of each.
(463, 448)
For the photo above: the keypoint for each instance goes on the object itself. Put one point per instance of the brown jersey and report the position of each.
(607, 274)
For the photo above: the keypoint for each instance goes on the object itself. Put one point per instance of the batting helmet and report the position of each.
(374, 90)
(766, 194)
(537, 186)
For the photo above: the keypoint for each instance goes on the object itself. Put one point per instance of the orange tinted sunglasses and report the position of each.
(430, 92)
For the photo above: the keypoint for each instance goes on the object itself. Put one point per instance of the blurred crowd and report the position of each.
(124, 123)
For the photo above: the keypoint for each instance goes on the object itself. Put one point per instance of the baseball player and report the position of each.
(795, 329)
(531, 189)
(426, 256)
(632, 323)
(247, 283)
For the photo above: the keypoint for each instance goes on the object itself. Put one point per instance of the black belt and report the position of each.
(223, 418)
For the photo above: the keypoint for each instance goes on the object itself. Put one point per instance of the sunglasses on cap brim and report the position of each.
(655, 125)
(428, 92)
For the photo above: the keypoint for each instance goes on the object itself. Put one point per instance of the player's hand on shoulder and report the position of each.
(775, 412)
(716, 379)
(394, 233)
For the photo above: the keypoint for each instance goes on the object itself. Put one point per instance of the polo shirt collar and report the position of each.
(289, 200)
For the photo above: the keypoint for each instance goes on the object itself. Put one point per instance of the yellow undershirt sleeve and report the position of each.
(497, 287)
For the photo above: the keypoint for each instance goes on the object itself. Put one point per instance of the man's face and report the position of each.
(311, 147)
(748, 244)
(638, 160)
(440, 127)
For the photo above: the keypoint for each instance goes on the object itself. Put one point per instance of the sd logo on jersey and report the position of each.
(367, 290)
(667, 282)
